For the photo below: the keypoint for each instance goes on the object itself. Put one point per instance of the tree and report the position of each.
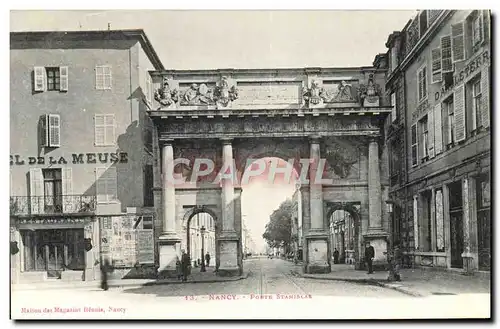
(279, 228)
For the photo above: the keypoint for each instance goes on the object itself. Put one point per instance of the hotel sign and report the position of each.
(76, 158)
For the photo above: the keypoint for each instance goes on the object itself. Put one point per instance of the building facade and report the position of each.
(439, 139)
(81, 153)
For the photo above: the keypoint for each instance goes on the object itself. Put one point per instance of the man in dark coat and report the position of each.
(335, 256)
(185, 264)
(369, 255)
(207, 259)
(105, 269)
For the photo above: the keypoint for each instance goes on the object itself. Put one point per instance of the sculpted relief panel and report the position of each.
(343, 158)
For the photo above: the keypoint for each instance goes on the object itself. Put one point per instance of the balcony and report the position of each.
(53, 205)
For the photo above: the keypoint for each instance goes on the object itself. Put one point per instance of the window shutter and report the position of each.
(414, 145)
(54, 130)
(430, 133)
(439, 221)
(109, 129)
(438, 130)
(107, 77)
(99, 77)
(39, 76)
(446, 60)
(111, 185)
(459, 112)
(36, 191)
(99, 129)
(458, 42)
(69, 204)
(100, 184)
(415, 220)
(485, 97)
(63, 76)
(45, 130)
(436, 65)
(393, 110)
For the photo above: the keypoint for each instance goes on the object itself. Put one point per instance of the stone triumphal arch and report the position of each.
(232, 116)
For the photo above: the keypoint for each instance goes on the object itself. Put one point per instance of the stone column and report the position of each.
(374, 188)
(318, 259)
(376, 235)
(227, 188)
(168, 187)
(168, 239)
(316, 189)
(229, 255)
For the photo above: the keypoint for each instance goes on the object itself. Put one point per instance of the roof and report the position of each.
(137, 34)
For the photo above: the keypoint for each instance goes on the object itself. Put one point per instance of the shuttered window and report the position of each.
(68, 202)
(459, 113)
(478, 29)
(106, 184)
(430, 134)
(36, 191)
(458, 42)
(103, 80)
(436, 65)
(446, 56)
(63, 78)
(39, 77)
(485, 97)
(450, 123)
(104, 128)
(438, 131)
(414, 145)
(476, 104)
(394, 109)
(422, 83)
(424, 137)
(51, 130)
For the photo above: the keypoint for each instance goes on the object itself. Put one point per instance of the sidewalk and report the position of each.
(416, 282)
(196, 277)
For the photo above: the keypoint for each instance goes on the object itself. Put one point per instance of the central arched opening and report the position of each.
(269, 208)
(201, 238)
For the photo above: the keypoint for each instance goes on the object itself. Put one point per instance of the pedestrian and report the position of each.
(178, 268)
(207, 259)
(185, 264)
(369, 255)
(105, 269)
(335, 256)
(397, 261)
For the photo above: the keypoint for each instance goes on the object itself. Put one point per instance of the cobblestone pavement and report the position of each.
(269, 292)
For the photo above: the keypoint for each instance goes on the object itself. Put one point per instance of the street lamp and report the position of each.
(202, 231)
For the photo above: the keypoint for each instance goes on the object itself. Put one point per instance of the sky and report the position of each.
(241, 39)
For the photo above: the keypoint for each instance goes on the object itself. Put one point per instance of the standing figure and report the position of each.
(335, 256)
(178, 268)
(105, 269)
(207, 259)
(394, 258)
(369, 255)
(185, 264)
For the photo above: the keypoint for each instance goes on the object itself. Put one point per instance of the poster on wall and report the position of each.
(126, 240)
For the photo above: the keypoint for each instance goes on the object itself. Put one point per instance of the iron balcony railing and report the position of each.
(49, 205)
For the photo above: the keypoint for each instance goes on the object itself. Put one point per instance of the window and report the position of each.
(436, 65)
(458, 42)
(446, 58)
(51, 130)
(50, 78)
(424, 138)
(414, 146)
(423, 22)
(476, 104)
(53, 78)
(449, 106)
(394, 58)
(104, 125)
(395, 165)
(422, 83)
(477, 29)
(52, 183)
(393, 110)
(103, 77)
(438, 129)
(147, 222)
(106, 185)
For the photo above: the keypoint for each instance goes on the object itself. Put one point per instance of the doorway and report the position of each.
(53, 251)
(456, 225)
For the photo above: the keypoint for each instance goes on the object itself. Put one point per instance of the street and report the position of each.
(270, 291)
